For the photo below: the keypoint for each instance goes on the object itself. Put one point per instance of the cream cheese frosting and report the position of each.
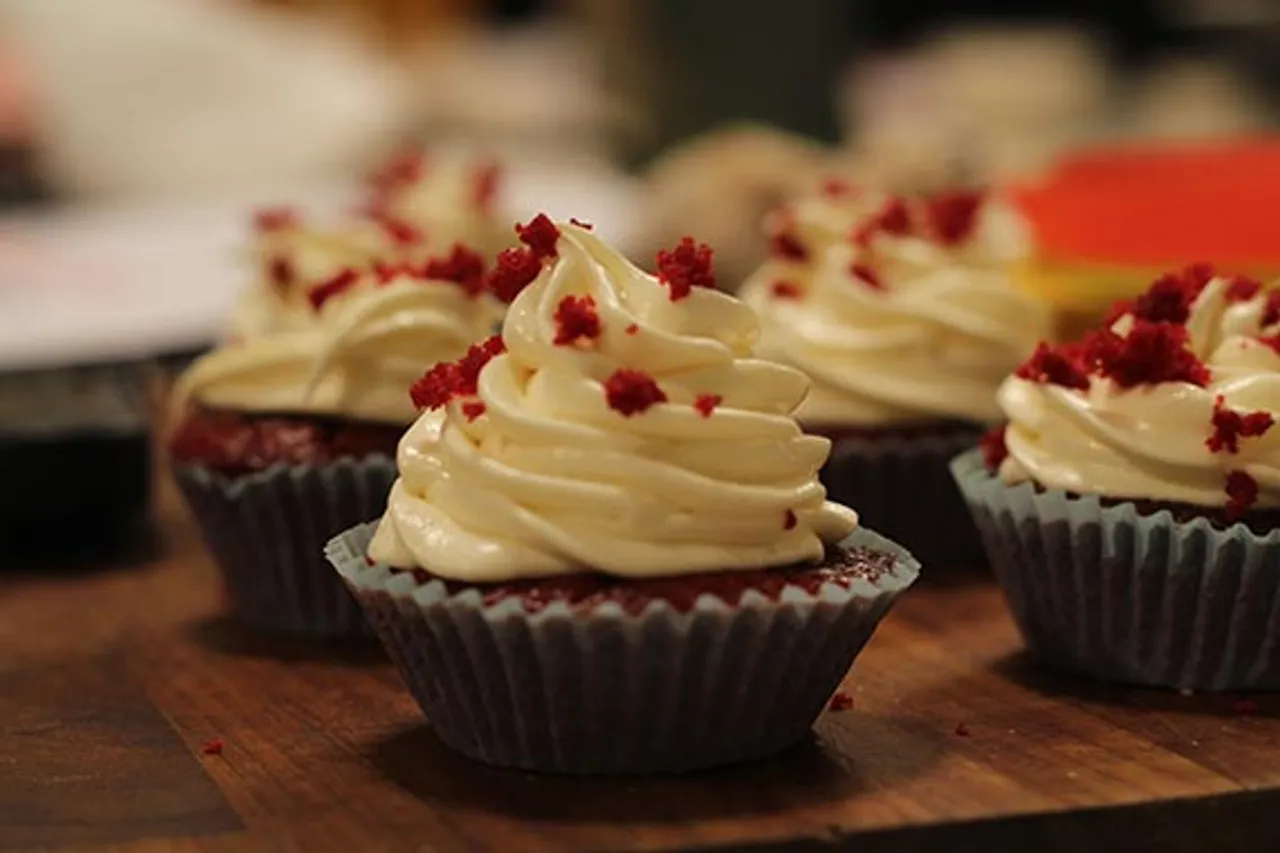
(365, 346)
(1169, 441)
(903, 328)
(557, 465)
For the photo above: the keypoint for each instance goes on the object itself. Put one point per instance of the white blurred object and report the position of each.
(156, 97)
(1013, 98)
(1190, 98)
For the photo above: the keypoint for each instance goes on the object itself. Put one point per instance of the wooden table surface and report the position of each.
(115, 683)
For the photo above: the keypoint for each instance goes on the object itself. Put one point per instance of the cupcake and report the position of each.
(1131, 508)
(412, 211)
(906, 325)
(283, 440)
(608, 550)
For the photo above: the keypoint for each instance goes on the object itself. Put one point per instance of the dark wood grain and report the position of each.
(955, 742)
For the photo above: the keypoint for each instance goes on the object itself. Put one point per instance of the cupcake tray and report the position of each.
(135, 716)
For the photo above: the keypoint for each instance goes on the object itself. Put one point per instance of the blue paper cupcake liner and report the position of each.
(607, 691)
(903, 488)
(1106, 591)
(267, 531)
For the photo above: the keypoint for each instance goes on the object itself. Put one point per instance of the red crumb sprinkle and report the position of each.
(213, 746)
(1150, 354)
(836, 188)
(789, 520)
(952, 217)
(369, 561)
(1049, 366)
(630, 392)
(1245, 707)
(1242, 493)
(398, 231)
(706, 403)
(961, 730)
(473, 409)
(461, 266)
(1271, 311)
(894, 218)
(994, 449)
(786, 245)
(386, 271)
(1242, 288)
(866, 274)
(1229, 426)
(513, 272)
(1169, 298)
(399, 170)
(460, 378)
(326, 290)
(585, 226)
(272, 219)
(785, 290)
(840, 701)
(540, 235)
(576, 320)
(280, 272)
(685, 267)
(1272, 341)
(488, 178)
(631, 329)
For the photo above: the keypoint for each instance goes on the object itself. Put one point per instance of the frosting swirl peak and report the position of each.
(627, 428)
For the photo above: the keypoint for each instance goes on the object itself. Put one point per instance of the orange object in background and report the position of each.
(1108, 221)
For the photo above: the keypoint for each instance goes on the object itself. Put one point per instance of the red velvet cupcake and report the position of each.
(1130, 507)
(283, 440)
(608, 550)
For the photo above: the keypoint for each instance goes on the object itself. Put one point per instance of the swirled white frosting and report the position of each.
(551, 480)
(1149, 441)
(355, 359)
(932, 341)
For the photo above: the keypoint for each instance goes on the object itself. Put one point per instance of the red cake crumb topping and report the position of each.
(1271, 311)
(1229, 426)
(894, 218)
(866, 274)
(1169, 298)
(513, 272)
(488, 177)
(685, 267)
(789, 520)
(326, 290)
(786, 245)
(576, 320)
(473, 409)
(213, 746)
(1050, 366)
(540, 235)
(785, 290)
(1242, 493)
(398, 171)
(272, 219)
(460, 378)
(1242, 288)
(1272, 341)
(585, 226)
(953, 216)
(706, 403)
(1151, 353)
(630, 392)
(840, 701)
(836, 188)
(400, 233)
(386, 271)
(280, 272)
(994, 449)
(461, 266)
(631, 329)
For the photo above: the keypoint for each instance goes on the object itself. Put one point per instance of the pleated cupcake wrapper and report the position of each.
(611, 692)
(1142, 599)
(903, 488)
(267, 532)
